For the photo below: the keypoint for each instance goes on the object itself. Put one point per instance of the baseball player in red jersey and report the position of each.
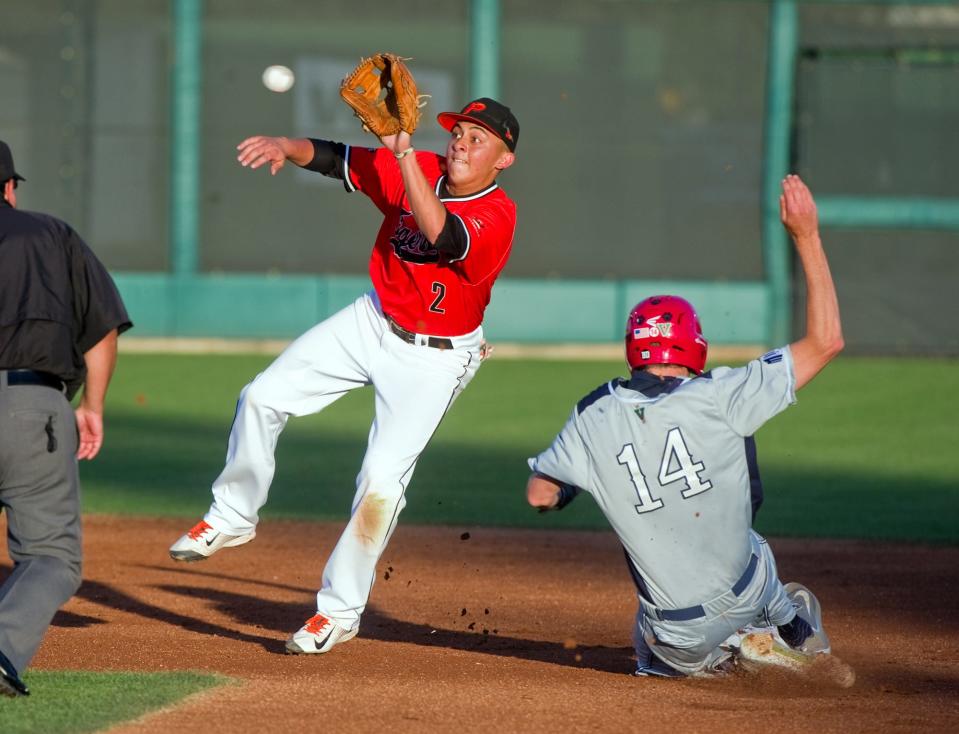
(417, 337)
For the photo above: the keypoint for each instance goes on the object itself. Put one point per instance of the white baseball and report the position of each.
(278, 78)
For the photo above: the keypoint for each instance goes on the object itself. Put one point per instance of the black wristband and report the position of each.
(567, 493)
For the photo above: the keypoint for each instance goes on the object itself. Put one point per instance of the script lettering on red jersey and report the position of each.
(410, 244)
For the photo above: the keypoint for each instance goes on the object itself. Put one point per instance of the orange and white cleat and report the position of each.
(318, 635)
(203, 541)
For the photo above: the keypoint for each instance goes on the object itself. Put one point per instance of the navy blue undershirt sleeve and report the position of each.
(451, 241)
(328, 158)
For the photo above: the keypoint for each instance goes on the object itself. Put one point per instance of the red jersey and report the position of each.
(418, 286)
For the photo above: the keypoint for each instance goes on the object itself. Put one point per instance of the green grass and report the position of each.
(68, 702)
(866, 453)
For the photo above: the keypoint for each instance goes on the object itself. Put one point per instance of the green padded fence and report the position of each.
(257, 307)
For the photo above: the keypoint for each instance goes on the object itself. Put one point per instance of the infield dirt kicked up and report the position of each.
(477, 629)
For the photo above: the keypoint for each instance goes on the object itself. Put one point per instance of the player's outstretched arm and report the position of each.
(262, 149)
(823, 339)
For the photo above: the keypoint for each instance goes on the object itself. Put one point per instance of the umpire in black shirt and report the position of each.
(60, 314)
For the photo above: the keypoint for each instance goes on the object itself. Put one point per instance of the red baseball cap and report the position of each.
(487, 113)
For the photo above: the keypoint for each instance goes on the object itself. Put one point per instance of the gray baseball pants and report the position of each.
(693, 645)
(40, 491)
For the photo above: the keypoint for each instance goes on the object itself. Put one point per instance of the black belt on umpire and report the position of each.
(31, 377)
(697, 612)
(410, 337)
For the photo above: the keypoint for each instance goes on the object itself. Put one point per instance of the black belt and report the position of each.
(33, 377)
(437, 342)
(684, 615)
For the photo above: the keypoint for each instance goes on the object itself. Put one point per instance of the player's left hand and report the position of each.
(90, 427)
(397, 143)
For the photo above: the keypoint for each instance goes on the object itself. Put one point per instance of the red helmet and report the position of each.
(665, 330)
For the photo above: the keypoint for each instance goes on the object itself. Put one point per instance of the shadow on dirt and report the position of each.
(284, 617)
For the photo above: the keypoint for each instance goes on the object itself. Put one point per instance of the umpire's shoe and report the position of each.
(319, 634)
(805, 633)
(10, 683)
(203, 541)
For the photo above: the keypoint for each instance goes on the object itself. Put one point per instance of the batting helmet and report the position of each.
(665, 330)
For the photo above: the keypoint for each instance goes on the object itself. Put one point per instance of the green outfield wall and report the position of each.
(524, 310)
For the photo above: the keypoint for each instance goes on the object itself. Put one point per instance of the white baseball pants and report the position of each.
(413, 385)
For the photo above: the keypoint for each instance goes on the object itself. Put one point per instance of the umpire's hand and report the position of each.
(90, 426)
(100, 361)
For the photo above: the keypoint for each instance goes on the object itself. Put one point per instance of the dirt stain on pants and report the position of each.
(370, 519)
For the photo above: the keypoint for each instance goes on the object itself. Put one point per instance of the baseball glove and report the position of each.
(382, 93)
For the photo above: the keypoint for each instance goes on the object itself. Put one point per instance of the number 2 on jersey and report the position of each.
(675, 453)
(440, 290)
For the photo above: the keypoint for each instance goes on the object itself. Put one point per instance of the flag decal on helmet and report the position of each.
(664, 330)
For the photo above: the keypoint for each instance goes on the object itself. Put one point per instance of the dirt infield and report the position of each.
(497, 630)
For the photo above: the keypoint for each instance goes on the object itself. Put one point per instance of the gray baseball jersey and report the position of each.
(666, 462)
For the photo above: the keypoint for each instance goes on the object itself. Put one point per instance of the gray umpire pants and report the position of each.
(40, 491)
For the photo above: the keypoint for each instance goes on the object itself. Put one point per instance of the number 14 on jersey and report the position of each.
(675, 454)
